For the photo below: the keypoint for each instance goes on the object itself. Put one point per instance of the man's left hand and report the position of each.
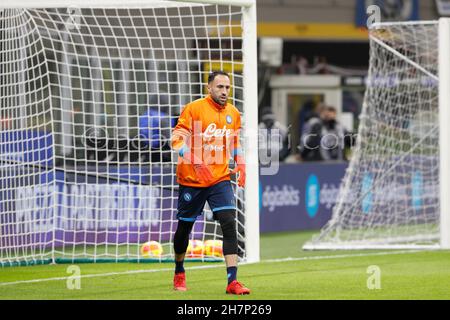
(240, 169)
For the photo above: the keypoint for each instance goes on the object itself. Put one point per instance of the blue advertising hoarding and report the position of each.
(84, 207)
(299, 196)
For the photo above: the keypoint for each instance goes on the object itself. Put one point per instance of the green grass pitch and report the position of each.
(285, 272)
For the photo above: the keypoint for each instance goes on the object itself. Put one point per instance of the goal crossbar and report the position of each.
(121, 4)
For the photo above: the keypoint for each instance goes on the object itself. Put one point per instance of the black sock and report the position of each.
(179, 266)
(231, 274)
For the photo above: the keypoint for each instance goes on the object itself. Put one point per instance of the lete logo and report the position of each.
(213, 132)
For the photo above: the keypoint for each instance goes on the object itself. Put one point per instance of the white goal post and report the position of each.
(395, 193)
(90, 91)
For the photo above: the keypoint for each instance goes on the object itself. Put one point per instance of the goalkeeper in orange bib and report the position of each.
(206, 137)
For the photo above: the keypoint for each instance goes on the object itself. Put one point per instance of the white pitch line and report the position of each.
(98, 275)
(337, 256)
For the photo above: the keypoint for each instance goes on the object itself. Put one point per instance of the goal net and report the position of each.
(89, 97)
(390, 195)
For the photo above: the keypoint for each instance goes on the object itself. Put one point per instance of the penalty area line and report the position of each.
(99, 275)
(341, 256)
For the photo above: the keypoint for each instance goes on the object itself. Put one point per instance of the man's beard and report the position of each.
(330, 124)
(217, 100)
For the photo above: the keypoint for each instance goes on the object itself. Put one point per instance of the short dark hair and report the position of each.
(214, 74)
(331, 109)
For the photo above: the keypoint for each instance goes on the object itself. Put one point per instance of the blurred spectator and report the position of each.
(302, 65)
(308, 110)
(324, 138)
(5, 123)
(155, 127)
(155, 124)
(273, 135)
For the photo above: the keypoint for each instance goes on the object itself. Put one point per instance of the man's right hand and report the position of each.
(202, 171)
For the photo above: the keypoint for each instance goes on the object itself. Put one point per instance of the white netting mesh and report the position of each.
(390, 194)
(86, 169)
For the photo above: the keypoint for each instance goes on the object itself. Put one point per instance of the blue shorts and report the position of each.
(191, 201)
